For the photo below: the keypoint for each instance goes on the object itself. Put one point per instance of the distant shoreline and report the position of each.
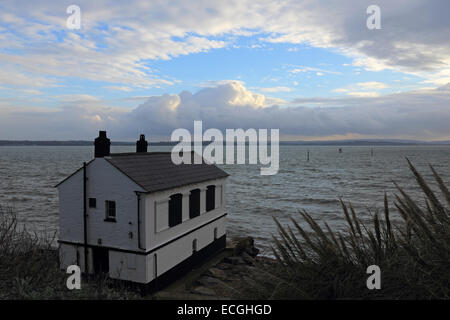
(68, 143)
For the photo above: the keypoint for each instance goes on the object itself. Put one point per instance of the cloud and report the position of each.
(318, 71)
(416, 114)
(372, 85)
(118, 43)
(15, 78)
(363, 94)
(275, 89)
(79, 98)
(363, 89)
(119, 88)
(421, 114)
(413, 37)
(118, 40)
(340, 90)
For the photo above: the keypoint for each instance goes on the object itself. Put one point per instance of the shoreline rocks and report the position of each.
(224, 278)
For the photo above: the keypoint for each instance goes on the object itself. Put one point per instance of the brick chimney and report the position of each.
(102, 145)
(141, 144)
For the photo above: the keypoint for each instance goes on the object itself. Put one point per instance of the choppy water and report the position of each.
(28, 175)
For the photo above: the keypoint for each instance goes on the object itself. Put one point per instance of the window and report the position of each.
(92, 203)
(194, 246)
(215, 233)
(110, 207)
(210, 198)
(175, 209)
(194, 203)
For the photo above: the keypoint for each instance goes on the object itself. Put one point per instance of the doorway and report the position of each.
(101, 260)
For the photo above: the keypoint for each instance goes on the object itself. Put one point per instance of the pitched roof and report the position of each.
(155, 171)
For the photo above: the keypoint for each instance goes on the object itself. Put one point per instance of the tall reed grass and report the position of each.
(414, 256)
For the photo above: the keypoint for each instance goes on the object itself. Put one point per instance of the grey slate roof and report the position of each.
(155, 171)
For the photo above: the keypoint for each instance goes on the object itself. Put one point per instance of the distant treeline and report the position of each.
(68, 143)
(170, 143)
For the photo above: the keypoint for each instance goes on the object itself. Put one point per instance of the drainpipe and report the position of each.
(85, 219)
(139, 219)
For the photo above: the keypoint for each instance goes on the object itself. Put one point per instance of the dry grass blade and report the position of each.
(347, 217)
(317, 229)
(441, 184)
(356, 220)
(426, 189)
(386, 216)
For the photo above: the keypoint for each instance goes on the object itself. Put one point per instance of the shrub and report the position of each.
(29, 268)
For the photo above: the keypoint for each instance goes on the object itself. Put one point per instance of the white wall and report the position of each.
(68, 256)
(104, 182)
(177, 251)
(158, 231)
(128, 266)
(157, 212)
(71, 208)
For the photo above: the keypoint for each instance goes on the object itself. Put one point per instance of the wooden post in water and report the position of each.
(307, 158)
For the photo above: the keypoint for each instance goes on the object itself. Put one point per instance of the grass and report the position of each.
(29, 268)
(414, 256)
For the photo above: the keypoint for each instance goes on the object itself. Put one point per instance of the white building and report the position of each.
(140, 217)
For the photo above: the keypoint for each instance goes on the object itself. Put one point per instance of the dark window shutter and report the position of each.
(194, 203)
(210, 198)
(175, 209)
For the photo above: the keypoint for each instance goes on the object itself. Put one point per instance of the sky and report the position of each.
(312, 69)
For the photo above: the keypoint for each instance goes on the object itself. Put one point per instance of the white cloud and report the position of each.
(363, 89)
(31, 92)
(16, 78)
(318, 71)
(372, 85)
(275, 89)
(421, 114)
(76, 98)
(413, 38)
(363, 94)
(340, 90)
(119, 88)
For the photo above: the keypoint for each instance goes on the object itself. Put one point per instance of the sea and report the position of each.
(357, 174)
